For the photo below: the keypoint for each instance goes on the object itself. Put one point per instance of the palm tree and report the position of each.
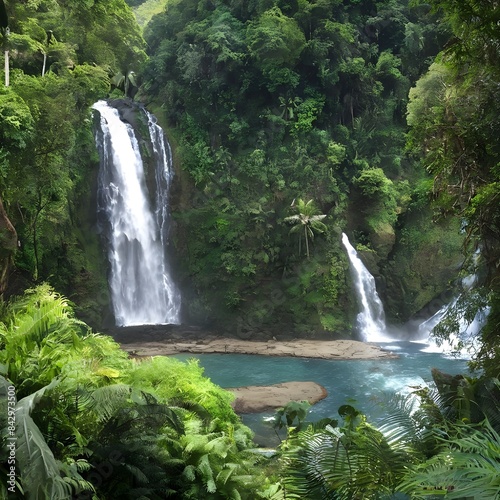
(309, 219)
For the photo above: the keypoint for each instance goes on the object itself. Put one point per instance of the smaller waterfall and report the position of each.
(136, 222)
(467, 331)
(371, 319)
(465, 336)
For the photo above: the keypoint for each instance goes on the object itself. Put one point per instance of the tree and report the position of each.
(4, 29)
(307, 219)
(454, 115)
(275, 40)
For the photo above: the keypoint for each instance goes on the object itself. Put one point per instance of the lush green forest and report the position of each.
(271, 103)
(291, 121)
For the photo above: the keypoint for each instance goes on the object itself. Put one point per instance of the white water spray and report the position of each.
(142, 290)
(371, 319)
(464, 341)
(461, 344)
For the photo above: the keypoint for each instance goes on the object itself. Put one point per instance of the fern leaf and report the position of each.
(40, 472)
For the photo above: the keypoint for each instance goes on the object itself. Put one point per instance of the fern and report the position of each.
(41, 475)
(469, 466)
(355, 462)
(41, 333)
(409, 423)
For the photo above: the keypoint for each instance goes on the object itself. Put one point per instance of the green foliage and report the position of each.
(275, 40)
(420, 449)
(467, 467)
(292, 415)
(453, 111)
(145, 10)
(307, 220)
(422, 243)
(171, 379)
(17, 122)
(47, 149)
(269, 101)
(41, 475)
(85, 412)
(374, 184)
(343, 462)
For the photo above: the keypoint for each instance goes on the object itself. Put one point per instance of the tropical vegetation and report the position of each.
(291, 121)
(91, 422)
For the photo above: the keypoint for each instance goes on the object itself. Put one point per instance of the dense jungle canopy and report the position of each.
(267, 106)
(291, 121)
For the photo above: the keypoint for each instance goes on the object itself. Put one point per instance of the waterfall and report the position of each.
(371, 319)
(464, 340)
(135, 222)
(462, 343)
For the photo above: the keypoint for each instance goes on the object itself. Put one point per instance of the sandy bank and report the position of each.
(324, 349)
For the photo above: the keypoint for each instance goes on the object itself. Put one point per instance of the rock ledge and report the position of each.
(261, 398)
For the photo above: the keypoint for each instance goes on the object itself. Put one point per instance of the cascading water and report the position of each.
(371, 319)
(465, 338)
(136, 223)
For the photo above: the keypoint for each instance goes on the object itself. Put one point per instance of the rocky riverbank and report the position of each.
(164, 340)
(324, 349)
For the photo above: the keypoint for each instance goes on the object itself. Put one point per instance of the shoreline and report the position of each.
(252, 399)
(320, 349)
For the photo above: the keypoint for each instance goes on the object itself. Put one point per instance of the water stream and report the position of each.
(361, 383)
(135, 222)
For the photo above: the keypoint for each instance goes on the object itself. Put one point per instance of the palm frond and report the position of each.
(344, 465)
(105, 401)
(405, 427)
(40, 472)
(296, 229)
(293, 218)
(469, 466)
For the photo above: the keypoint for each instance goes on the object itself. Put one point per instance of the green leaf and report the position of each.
(40, 472)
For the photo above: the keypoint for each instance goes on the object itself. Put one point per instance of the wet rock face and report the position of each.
(383, 240)
(128, 111)
(8, 245)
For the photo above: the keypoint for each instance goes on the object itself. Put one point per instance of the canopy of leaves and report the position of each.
(46, 143)
(454, 115)
(271, 102)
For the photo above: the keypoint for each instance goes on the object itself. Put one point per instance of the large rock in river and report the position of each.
(261, 398)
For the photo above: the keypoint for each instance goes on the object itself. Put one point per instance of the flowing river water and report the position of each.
(357, 382)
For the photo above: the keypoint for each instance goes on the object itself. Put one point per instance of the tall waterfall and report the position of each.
(371, 319)
(136, 222)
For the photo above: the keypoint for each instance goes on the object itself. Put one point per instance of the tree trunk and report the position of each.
(8, 245)
(7, 74)
(307, 241)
